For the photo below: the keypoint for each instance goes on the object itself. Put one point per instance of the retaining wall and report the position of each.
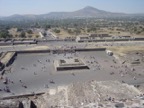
(139, 39)
(71, 68)
(21, 96)
(8, 58)
(111, 40)
(17, 43)
(59, 50)
(33, 51)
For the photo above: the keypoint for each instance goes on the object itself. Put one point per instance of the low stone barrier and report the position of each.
(17, 43)
(90, 49)
(25, 42)
(139, 39)
(33, 51)
(60, 50)
(21, 96)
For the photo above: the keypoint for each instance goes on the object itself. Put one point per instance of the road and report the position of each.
(67, 44)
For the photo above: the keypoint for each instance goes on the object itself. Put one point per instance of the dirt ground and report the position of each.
(80, 95)
(89, 94)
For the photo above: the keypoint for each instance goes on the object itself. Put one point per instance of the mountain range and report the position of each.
(87, 12)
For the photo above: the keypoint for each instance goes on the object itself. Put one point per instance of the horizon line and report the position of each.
(66, 11)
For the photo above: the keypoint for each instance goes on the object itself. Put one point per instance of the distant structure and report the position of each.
(101, 36)
(91, 37)
(121, 37)
(105, 37)
(82, 38)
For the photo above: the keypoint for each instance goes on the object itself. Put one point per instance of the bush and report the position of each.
(5, 34)
(56, 30)
(22, 35)
(30, 32)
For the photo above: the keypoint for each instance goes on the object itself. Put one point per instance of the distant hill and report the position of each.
(82, 13)
(85, 12)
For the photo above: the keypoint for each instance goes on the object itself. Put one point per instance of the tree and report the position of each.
(57, 31)
(37, 25)
(37, 36)
(16, 35)
(19, 29)
(88, 30)
(23, 35)
(143, 29)
(138, 32)
(47, 27)
(5, 34)
(44, 33)
(70, 31)
(30, 32)
(77, 31)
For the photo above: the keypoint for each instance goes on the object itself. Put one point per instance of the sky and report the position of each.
(10, 7)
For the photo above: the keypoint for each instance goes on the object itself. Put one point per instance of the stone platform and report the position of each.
(69, 64)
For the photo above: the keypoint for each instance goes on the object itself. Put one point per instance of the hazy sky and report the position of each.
(9, 7)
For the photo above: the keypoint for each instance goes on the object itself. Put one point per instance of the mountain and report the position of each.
(82, 13)
(85, 12)
(17, 17)
(93, 12)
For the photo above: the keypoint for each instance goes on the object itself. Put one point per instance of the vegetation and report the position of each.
(44, 33)
(77, 26)
(22, 35)
(56, 30)
(29, 31)
(5, 34)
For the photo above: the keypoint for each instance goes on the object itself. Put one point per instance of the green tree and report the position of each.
(77, 31)
(22, 35)
(57, 31)
(88, 30)
(37, 36)
(5, 34)
(44, 33)
(47, 27)
(19, 29)
(70, 31)
(30, 32)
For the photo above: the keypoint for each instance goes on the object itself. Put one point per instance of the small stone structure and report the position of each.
(69, 64)
(110, 53)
